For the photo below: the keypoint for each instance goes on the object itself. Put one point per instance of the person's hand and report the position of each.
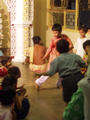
(43, 58)
(19, 100)
(21, 87)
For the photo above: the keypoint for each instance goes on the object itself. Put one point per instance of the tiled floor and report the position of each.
(47, 104)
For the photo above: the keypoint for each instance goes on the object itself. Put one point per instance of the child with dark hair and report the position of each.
(52, 51)
(36, 39)
(68, 65)
(22, 104)
(15, 71)
(84, 84)
(6, 62)
(9, 81)
(78, 48)
(57, 27)
(36, 53)
(86, 47)
(7, 96)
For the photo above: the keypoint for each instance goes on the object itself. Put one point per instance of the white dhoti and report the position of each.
(41, 80)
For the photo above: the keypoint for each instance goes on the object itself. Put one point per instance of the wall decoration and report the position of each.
(11, 6)
(28, 26)
(4, 33)
(8, 4)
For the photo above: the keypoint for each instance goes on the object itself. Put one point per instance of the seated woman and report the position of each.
(36, 53)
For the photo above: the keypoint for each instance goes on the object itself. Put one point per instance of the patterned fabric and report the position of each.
(74, 109)
(85, 57)
(52, 52)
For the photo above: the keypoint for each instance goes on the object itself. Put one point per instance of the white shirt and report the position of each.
(5, 113)
(79, 46)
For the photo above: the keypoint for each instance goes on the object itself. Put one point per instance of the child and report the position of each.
(7, 62)
(7, 96)
(86, 47)
(68, 65)
(15, 71)
(22, 104)
(52, 52)
(79, 43)
(36, 53)
(85, 83)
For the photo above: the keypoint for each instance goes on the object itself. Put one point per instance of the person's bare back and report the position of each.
(39, 52)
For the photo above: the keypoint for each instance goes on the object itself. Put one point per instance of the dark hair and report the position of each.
(84, 28)
(62, 46)
(36, 39)
(7, 95)
(3, 62)
(57, 27)
(86, 43)
(15, 71)
(9, 81)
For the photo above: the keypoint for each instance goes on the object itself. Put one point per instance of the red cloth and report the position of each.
(3, 71)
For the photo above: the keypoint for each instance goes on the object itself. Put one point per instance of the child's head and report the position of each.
(56, 29)
(15, 71)
(36, 39)
(86, 46)
(6, 62)
(83, 30)
(3, 62)
(7, 96)
(62, 46)
(9, 81)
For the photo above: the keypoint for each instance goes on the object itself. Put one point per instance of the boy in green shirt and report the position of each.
(68, 65)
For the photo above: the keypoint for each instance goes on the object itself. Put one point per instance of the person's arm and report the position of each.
(75, 47)
(53, 68)
(48, 50)
(69, 40)
(80, 61)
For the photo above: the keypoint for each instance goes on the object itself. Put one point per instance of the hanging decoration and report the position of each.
(28, 23)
